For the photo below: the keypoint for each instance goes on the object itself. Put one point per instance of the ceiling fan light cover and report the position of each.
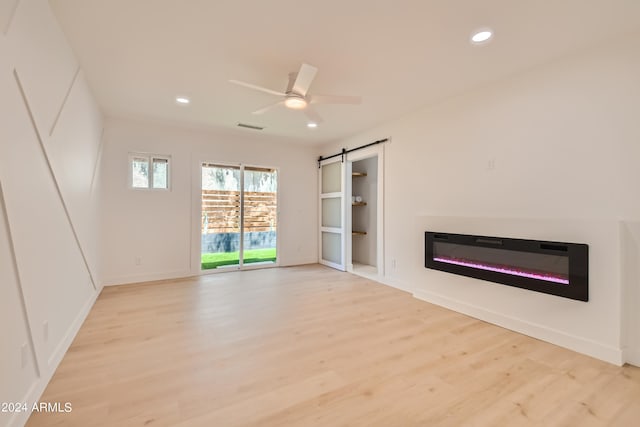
(295, 102)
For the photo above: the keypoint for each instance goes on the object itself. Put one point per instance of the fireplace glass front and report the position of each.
(551, 267)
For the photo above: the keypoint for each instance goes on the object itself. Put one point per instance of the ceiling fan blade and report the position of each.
(256, 87)
(313, 115)
(268, 107)
(305, 76)
(335, 99)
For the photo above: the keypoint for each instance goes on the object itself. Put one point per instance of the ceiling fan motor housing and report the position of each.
(295, 101)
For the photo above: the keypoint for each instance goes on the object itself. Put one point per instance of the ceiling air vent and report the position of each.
(244, 125)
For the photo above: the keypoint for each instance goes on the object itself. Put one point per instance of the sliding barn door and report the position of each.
(332, 214)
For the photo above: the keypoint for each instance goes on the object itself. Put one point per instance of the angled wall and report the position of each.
(50, 141)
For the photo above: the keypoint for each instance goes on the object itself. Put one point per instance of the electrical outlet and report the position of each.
(24, 355)
(491, 164)
(45, 331)
(137, 260)
(393, 263)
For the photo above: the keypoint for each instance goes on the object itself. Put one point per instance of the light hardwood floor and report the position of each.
(310, 346)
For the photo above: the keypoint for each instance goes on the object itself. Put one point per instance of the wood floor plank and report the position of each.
(311, 346)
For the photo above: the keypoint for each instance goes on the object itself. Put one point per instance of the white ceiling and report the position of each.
(398, 55)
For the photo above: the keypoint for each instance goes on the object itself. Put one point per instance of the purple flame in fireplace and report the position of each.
(503, 269)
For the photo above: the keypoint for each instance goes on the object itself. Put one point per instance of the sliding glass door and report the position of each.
(239, 216)
(260, 215)
(221, 211)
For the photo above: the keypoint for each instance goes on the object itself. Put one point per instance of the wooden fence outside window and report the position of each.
(221, 211)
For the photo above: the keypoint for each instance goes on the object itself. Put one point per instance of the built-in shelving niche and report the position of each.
(358, 204)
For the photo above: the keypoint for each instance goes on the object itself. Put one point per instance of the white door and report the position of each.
(332, 213)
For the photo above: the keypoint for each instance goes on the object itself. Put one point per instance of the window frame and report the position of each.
(150, 158)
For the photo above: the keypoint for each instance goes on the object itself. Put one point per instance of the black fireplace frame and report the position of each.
(578, 254)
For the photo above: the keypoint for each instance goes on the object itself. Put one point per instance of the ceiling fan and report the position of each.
(296, 96)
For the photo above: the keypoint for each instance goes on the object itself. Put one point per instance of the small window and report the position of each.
(149, 171)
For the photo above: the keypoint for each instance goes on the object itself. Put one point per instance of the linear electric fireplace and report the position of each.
(551, 267)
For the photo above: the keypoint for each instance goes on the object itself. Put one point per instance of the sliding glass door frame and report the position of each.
(196, 258)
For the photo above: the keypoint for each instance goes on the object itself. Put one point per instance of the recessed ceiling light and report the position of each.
(312, 125)
(481, 36)
(182, 100)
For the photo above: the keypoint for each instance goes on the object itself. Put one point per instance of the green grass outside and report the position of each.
(215, 260)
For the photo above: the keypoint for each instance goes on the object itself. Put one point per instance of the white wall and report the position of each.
(49, 146)
(549, 154)
(630, 248)
(161, 228)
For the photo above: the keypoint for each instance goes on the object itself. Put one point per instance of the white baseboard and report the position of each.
(632, 357)
(171, 275)
(126, 280)
(395, 283)
(46, 372)
(61, 349)
(301, 261)
(388, 281)
(571, 342)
